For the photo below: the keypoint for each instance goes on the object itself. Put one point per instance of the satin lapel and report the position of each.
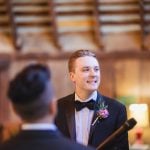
(94, 117)
(92, 126)
(70, 115)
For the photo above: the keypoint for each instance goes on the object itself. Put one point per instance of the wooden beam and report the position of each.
(130, 54)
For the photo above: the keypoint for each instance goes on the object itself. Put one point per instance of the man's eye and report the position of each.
(96, 69)
(85, 69)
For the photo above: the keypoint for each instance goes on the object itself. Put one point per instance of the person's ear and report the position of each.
(72, 76)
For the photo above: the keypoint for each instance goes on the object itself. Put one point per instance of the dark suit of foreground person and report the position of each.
(33, 100)
(85, 121)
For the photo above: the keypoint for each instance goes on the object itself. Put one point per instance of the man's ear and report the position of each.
(72, 76)
(53, 107)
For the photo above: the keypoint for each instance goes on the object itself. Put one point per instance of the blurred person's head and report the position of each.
(84, 70)
(31, 94)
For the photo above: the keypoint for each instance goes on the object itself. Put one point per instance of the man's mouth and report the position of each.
(95, 81)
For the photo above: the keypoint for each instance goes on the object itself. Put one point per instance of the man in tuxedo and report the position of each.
(32, 98)
(86, 116)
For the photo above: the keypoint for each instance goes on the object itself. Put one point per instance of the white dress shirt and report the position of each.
(38, 126)
(83, 120)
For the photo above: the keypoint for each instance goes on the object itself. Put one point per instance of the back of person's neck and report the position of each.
(46, 119)
(43, 123)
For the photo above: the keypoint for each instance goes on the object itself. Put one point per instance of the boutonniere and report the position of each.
(102, 112)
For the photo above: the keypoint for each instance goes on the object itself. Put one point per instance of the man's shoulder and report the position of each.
(68, 144)
(65, 99)
(112, 101)
(24, 142)
(58, 143)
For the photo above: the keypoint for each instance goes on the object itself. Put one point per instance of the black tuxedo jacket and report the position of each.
(41, 140)
(65, 121)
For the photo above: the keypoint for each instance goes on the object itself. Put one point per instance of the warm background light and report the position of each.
(140, 113)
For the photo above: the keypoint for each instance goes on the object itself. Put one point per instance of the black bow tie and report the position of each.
(79, 105)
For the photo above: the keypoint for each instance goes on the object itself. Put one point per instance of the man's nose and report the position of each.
(92, 72)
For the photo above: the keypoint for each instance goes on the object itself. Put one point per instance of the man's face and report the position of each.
(86, 75)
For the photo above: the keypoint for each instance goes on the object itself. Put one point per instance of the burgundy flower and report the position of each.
(102, 112)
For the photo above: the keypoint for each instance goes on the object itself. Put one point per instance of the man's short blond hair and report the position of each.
(77, 54)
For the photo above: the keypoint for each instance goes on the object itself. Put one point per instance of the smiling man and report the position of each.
(86, 116)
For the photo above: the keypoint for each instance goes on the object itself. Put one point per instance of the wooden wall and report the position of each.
(47, 31)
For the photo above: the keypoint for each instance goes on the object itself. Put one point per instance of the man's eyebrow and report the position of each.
(90, 67)
(85, 66)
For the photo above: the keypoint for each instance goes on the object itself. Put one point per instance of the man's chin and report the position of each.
(92, 89)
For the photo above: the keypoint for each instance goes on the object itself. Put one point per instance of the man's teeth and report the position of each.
(92, 81)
